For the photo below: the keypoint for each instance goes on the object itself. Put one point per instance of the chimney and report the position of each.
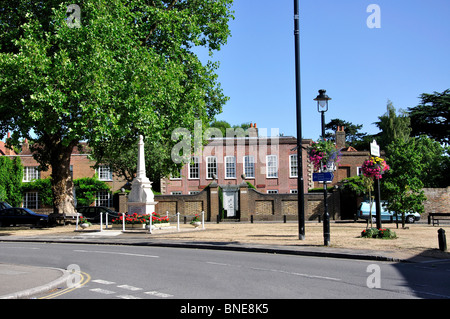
(340, 137)
(252, 131)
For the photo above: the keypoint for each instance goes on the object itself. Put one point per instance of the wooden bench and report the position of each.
(436, 217)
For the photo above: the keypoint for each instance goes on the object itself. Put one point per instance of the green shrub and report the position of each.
(384, 233)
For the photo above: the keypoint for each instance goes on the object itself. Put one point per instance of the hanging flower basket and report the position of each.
(375, 167)
(324, 155)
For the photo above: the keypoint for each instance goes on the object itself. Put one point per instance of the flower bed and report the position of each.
(384, 233)
(136, 219)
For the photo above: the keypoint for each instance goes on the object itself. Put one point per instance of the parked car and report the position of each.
(92, 213)
(17, 215)
(386, 215)
(4, 205)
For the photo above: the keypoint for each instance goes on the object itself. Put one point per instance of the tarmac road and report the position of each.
(24, 281)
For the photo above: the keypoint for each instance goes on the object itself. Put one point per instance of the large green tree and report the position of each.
(393, 126)
(432, 116)
(105, 71)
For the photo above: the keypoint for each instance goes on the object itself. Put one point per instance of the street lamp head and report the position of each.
(322, 101)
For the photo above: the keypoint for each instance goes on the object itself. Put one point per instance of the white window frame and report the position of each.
(177, 178)
(176, 193)
(194, 168)
(31, 200)
(249, 166)
(103, 198)
(293, 165)
(294, 191)
(30, 173)
(359, 171)
(104, 173)
(271, 166)
(230, 167)
(211, 167)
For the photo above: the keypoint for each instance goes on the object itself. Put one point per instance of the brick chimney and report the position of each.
(253, 130)
(340, 137)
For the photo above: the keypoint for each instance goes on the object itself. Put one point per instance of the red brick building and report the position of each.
(80, 165)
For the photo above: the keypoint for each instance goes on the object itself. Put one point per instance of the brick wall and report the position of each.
(438, 201)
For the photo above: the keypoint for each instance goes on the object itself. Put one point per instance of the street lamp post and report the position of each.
(300, 184)
(322, 106)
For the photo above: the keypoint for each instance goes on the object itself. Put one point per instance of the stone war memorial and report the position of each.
(141, 199)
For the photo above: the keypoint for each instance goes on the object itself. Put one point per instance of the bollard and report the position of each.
(78, 216)
(106, 221)
(178, 221)
(101, 222)
(284, 219)
(185, 220)
(442, 240)
(218, 218)
(251, 219)
(203, 220)
(123, 222)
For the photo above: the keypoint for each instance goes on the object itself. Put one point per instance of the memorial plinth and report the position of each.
(141, 199)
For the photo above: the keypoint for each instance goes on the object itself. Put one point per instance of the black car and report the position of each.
(92, 213)
(4, 205)
(16, 215)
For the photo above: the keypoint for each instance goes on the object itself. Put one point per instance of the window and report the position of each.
(293, 165)
(194, 168)
(211, 167)
(31, 200)
(294, 191)
(104, 173)
(194, 192)
(103, 199)
(176, 193)
(272, 166)
(230, 167)
(249, 166)
(30, 173)
(359, 171)
(272, 191)
(176, 174)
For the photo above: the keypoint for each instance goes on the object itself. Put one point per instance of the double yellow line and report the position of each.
(85, 278)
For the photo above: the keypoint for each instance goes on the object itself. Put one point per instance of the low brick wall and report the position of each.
(438, 201)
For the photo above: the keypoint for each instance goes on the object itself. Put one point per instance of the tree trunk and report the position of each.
(62, 184)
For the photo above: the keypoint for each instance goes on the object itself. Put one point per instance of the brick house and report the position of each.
(80, 166)
(269, 164)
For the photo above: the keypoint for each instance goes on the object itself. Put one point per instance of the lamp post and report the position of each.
(322, 106)
(300, 183)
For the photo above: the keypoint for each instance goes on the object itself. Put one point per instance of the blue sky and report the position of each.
(361, 68)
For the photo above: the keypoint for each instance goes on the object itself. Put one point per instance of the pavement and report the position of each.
(24, 282)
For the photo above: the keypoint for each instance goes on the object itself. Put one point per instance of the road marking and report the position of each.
(128, 297)
(113, 253)
(103, 282)
(103, 291)
(278, 271)
(84, 279)
(158, 294)
(129, 287)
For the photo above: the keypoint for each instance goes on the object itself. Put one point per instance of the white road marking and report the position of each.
(103, 282)
(129, 287)
(113, 253)
(158, 294)
(103, 291)
(128, 297)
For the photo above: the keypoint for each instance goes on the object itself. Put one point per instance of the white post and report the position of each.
(167, 213)
(101, 222)
(78, 216)
(106, 220)
(150, 223)
(123, 222)
(203, 220)
(178, 221)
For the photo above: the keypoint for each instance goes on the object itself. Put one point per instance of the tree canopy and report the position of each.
(127, 68)
(432, 116)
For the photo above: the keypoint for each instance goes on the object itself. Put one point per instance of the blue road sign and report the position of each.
(323, 177)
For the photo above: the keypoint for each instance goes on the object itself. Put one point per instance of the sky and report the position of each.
(361, 68)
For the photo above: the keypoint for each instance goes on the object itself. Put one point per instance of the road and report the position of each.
(132, 272)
